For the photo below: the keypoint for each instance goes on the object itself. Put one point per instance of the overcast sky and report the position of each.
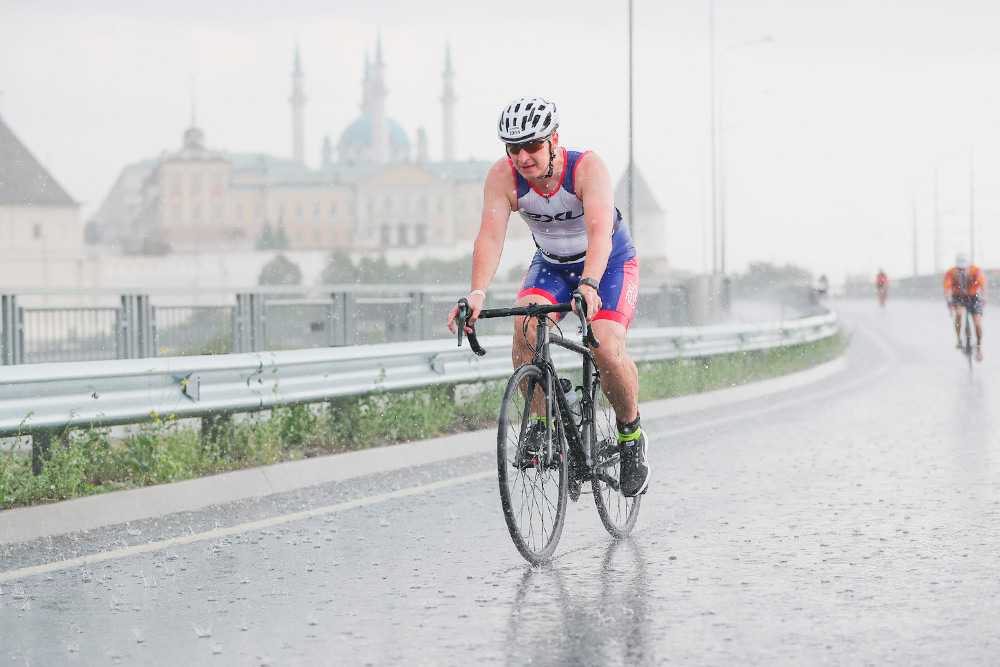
(832, 130)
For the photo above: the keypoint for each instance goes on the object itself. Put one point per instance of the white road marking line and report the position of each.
(402, 493)
(240, 528)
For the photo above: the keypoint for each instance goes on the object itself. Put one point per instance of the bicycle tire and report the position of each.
(534, 499)
(968, 339)
(618, 512)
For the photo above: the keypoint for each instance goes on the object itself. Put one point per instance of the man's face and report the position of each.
(531, 159)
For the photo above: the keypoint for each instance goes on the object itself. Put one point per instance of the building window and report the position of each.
(175, 209)
(175, 182)
(298, 209)
(421, 234)
(440, 204)
(298, 236)
(196, 211)
(371, 204)
(403, 236)
(461, 204)
(217, 211)
(239, 211)
(333, 208)
(315, 236)
(217, 182)
(36, 230)
(196, 183)
(385, 236)
(257, 211)
(333, 236)
(350, 206)
(281, 211)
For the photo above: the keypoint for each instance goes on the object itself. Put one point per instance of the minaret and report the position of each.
(327, 152)
(298, 101)
(448, 106)
(380, 123)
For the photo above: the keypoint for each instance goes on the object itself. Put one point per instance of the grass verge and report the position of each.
(162, 450)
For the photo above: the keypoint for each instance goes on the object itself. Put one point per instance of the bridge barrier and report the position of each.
(46, 400)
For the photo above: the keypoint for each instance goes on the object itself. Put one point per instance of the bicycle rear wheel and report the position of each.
(534, 496)
(618, 512)
(968, 338)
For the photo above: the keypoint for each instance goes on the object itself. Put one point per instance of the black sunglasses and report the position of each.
(531, 147)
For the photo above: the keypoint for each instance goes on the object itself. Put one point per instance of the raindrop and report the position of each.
(203, 633)
(384, 522)
(138, 635)
(216, 649)
(73, 648)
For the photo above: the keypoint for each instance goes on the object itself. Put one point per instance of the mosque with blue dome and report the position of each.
(373, 190)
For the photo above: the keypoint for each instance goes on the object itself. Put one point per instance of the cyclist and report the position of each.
(965, 287)
(565, 198)
(882, 287)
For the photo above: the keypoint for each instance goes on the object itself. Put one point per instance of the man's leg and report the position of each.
(958, 324)
(523, 346)
(977, 319)
(619, 377)
(620, 383)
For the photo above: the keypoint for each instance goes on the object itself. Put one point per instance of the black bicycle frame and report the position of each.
(581, 451)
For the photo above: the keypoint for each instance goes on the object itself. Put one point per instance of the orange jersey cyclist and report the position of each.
(965, 287)
(565, 198)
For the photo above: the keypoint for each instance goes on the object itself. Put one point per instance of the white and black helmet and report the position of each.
(527, 119)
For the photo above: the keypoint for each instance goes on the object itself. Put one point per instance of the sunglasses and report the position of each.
(531, 147)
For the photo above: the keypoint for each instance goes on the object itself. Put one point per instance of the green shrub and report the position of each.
(163, 450)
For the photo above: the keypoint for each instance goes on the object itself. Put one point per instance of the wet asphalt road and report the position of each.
(851, 522)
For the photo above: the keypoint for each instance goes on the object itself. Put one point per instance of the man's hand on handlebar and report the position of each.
(475, 302)
(592, 300)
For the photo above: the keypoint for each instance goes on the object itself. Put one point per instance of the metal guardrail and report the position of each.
(102, 325)
(47, 399)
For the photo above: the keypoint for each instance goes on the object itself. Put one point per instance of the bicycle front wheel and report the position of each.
(618, 512)
(968, 338)
(533, 484)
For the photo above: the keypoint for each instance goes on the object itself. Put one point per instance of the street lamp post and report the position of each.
(720, 143)
(717, 163)
(631, 161)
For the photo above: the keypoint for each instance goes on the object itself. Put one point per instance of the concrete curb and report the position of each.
(28, 523)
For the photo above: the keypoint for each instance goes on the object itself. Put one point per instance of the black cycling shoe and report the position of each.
(531, 447)
(634, 478)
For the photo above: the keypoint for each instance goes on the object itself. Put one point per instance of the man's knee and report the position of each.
(612, 338)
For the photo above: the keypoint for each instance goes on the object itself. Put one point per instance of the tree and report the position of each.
(265, 239)
(280, 239)
(280, 271)
(339, 268)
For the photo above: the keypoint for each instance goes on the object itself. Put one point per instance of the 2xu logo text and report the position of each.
(561, 217)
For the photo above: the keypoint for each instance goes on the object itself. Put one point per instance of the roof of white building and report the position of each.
(23, 180)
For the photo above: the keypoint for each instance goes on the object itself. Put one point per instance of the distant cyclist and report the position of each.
(882, 287)
(565, 197)
(965, 287)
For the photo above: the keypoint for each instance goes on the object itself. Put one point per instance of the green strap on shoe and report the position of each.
(634, 435)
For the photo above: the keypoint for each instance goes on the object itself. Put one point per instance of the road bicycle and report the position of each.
(966, 346)
(554, 440)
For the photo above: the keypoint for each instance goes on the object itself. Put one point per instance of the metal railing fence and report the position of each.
(256, 321)
(46, 400)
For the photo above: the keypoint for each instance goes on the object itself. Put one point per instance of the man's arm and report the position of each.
(593, 183)
(498, 202)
